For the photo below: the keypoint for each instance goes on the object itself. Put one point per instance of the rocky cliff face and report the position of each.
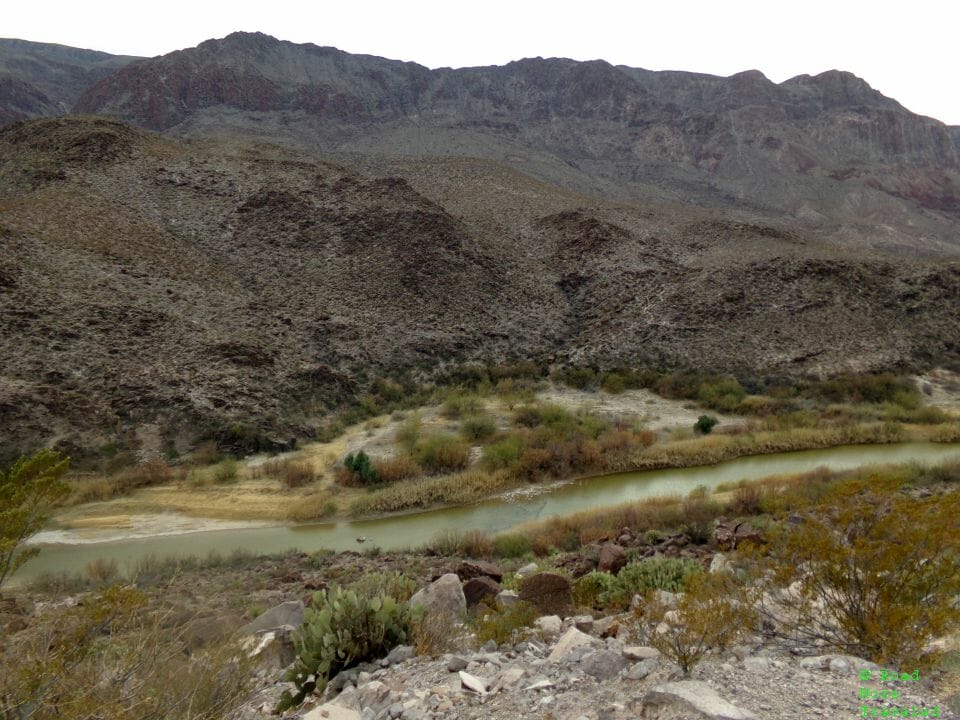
(824, 151)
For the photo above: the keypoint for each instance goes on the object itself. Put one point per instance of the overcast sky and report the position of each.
(906, 50)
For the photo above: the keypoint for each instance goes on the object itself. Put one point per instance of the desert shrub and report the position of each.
(869, 388)
(113, 656)
(705, 424)
(511, 545)
(470, 543)
(478, 427)
(205, 453)
(92, 489)
(876, 570)
(408, 434)
(656, 573)
(534, 463)
(314, 506)
(459, 403)
(102, 571)
(145, 474)
(698, 512)
(433, 634)
(387, 391)
(392, 584)
(588, 590)
(746, 499)
(504, 453)
(713, 611)
(298, 474)
(613, 383)
(398, 468)
(723, 394)
(28, 491)
(442, 452)
(225, 471)
(521, 370)
(358, 470)
(679, 385)
(341, 629)
(505, 624)
(452, 489)
(578, 378)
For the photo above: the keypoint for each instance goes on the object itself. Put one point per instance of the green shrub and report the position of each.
(360, 467)
(342, 629)
(705, 424)
(478, 427)
(724, 394)
(578, 378)
(505, 624)
(656, 573)
(613, 383)
(442, 452)
(408, 434)
(588, 590)
(511, 545)
(503, 454)
(459, 404)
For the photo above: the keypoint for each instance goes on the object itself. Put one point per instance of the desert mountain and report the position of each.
(827, 152)
(305, 218)
(198, 285)
(39, 79)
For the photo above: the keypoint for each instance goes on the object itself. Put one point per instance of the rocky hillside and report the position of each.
(827, 153)
(202, 284)
(40, 79)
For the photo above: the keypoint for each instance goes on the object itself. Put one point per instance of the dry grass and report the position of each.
(459, 488)
(318, 505)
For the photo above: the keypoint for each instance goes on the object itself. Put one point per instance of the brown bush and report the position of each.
(534, 463)
(746, 499)
(146, 474)
(298, 474)
(395, 469)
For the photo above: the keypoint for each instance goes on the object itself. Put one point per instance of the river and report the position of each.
(491, 516)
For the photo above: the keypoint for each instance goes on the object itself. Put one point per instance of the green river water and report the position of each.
(491, 516)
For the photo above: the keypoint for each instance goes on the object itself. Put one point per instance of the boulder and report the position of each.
(640, 652)
(474, 683)
(612, 558)
(640, 670)
(727, 534)
(549, 625)
(479, 589)
(287, 613)
(720, 564)
(272, 650)
(689, 700)
(443, 596)
(550, 593)
(569, 642)
(470, 569)
(508, 597)
(457, 663)
(603, 664)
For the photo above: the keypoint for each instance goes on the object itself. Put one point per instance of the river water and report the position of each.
(490, 516)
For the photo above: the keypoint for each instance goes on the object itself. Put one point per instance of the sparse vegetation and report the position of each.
(504, 624)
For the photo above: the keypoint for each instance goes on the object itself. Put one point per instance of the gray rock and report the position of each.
(272, 650)
(288, 613)
(474, 683)
(401, 653)
(413, 714)
(489, 646)
(640, 652)
(549, 625)
(603, 664)
(689, 700)
(456, 664)
(570, 641)
(640, 670)
(612, 558)
(443, 596)
(508, 597)
(720, 563)
(583, 623)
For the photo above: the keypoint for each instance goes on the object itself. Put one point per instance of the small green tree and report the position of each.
(27, 492)
(361, 467)
(705, 424)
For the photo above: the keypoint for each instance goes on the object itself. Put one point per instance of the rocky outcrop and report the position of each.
(443, 596)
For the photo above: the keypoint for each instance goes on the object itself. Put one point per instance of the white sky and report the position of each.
(906, 50)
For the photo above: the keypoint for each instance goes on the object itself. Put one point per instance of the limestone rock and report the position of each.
(640, 670)
(550, 593)
(474, 683)
(549, 625)
(689, 700)
(640, 652)
(443, 596)
(288, 613)
(508, 597)
(603, 664)
(568, 642)
(528, 569)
